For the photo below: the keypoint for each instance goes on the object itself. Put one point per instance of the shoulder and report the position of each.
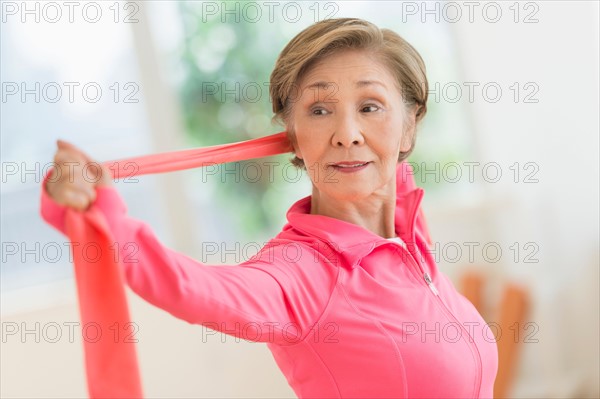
(306, 277)
(303, 260)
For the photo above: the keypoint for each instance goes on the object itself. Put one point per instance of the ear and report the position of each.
(407, 138)
(298, 152)
(294, 142)
(409, 130)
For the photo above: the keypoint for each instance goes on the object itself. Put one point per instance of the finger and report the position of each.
(102, 174)
(69, 157)
(61, 144)
(67, 168)
(84, 184)
(77, 199)
(67, 153)
(107, 176)
(68, 146)
(75, 165)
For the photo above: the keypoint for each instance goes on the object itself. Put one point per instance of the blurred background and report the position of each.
(507, 154)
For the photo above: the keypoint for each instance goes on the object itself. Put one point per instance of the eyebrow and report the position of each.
(361, 83)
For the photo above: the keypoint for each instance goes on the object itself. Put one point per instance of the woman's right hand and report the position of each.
(75, 177)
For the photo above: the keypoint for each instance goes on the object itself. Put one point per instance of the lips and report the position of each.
(350, 164)
(350, 167)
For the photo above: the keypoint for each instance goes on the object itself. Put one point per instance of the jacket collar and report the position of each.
(354, 242)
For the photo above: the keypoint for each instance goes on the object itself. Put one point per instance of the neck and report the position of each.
(375, 213)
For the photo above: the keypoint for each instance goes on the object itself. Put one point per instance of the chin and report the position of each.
(349, 194)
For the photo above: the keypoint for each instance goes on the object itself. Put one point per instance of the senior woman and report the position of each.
(347, 296)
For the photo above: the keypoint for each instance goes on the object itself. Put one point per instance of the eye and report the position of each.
(318, 111)
(370, 108)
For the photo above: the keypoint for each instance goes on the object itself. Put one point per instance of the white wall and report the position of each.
(559, 214)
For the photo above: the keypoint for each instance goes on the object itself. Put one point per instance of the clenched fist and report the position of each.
(75, 177)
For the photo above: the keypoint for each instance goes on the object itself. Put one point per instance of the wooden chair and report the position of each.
(512, 314)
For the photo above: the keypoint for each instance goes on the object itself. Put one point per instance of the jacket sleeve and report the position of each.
(269, 298)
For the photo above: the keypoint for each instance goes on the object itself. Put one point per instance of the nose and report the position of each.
(347, 131)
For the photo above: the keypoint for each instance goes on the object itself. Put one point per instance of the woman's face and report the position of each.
(350, 110)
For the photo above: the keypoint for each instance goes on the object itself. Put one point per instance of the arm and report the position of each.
(257, 300)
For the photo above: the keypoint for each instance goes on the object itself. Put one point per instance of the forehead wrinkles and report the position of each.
(327, 79)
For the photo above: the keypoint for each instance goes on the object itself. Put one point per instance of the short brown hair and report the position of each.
(329, 36)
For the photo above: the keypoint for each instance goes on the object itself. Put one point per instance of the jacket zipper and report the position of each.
(449, 314)
(430, 283)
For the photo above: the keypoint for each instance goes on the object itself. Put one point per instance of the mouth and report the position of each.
(350, 166)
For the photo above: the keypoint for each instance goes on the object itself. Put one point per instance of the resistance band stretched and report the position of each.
(110, 360)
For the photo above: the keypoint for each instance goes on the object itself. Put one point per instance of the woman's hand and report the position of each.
(75, 177)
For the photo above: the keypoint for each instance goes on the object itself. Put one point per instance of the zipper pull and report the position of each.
(430, 283)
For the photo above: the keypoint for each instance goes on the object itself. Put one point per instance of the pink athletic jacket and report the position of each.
(345, 313)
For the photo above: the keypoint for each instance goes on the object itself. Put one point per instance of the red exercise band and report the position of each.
(110, 360)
